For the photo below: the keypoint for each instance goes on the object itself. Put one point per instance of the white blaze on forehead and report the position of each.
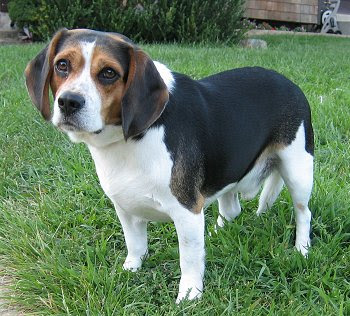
(84, 84)
(87, 49)
(88, 118)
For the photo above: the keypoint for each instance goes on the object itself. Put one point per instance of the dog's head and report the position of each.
(97, 79)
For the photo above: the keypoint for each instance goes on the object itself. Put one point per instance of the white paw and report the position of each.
(219, 223)
(189, 289)
(260, 211)
(303, 247)
(132, 264)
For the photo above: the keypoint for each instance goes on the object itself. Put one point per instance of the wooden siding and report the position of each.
(300, 11)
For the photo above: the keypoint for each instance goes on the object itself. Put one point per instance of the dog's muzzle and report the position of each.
(70, 102)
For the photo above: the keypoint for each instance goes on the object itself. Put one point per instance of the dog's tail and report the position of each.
(271, 189)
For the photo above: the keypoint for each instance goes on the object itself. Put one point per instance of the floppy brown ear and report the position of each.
(145, 97)
(38, 74)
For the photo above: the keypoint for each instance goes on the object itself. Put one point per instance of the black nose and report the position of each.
(70, 102)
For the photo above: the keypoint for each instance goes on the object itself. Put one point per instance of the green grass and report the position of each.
(63, 246)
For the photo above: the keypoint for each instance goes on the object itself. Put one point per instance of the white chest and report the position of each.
(136, 175)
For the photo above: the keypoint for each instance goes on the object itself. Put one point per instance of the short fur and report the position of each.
(165, 146)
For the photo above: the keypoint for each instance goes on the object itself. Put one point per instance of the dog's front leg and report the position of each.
(135, 234)
(190, 231)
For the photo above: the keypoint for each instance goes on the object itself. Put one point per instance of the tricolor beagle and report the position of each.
(165, 146)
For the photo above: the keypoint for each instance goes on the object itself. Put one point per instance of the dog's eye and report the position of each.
(108, 75)
(62, 65)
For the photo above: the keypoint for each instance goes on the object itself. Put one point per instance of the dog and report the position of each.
(165, 146)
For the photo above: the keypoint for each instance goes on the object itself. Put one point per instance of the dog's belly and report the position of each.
(250, 184)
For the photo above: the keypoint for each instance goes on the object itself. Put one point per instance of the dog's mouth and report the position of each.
(69, 126)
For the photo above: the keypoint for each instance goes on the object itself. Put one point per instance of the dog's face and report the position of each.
(97, 79)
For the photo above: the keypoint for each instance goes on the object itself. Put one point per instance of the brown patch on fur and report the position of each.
(278, 146)
(187, 179)
(269, 159)
(300, 206)
(117, 38)
(76, 61)
(78, 31)
(199, 204)
(270, 150)
(111, 94)
(38, 76)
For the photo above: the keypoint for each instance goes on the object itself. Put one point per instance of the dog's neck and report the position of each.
(109, 135)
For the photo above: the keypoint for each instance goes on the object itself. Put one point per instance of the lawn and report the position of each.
(62, 244)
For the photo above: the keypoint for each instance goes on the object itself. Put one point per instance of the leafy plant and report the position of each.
(142, 20)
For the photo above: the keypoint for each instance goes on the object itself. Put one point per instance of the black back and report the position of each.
(219, 125)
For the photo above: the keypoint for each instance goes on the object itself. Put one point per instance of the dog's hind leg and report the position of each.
(296, 168)
(271, 189)
(229, 207)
